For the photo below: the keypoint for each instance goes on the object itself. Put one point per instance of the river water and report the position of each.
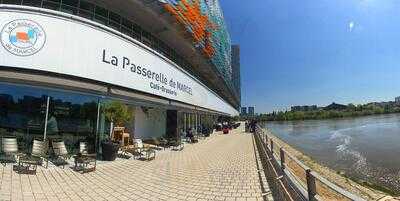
(365, 148)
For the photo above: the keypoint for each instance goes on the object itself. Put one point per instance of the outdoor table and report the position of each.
(176, 145)
(27, 161)
(163, 143)
(83, 160)
(150, 153)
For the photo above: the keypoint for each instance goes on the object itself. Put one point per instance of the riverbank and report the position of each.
(366, 192)
(326, 114)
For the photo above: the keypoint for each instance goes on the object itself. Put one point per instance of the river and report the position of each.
(365, 148)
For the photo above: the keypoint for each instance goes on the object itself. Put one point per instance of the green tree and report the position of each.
(117, 114)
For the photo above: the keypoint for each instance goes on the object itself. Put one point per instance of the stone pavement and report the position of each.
(221, 167)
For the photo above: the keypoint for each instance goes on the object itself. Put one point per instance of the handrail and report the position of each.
(275, 172)
(310, 193)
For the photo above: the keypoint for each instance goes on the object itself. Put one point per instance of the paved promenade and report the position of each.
(222, 167)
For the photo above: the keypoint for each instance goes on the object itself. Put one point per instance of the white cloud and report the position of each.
(351, 26)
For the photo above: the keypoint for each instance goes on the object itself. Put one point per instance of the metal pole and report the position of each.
(282, 154)
(311, 187)
(196, 122)
(98, 117)
(97, 124)
(47, 116)
(272, 146)
(184, 122)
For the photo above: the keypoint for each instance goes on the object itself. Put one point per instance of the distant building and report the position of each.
(243, 111)
(236, 70)
(335, 106)
(303, 108)
(382, 104)
(251, 111)
(397, 99)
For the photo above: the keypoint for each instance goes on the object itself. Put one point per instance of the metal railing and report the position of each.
(290, 179)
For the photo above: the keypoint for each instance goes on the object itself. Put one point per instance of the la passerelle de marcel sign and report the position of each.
(158, 81)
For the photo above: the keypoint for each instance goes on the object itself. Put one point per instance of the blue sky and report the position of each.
(316, 52)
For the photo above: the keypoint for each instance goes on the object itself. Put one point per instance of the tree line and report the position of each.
(351, 110)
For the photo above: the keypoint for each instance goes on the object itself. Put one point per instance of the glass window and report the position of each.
(154, 43)
(101, 15)
(35, 3)
(188, 121)
(126, 27)
(137, 32)
(198, 122)
(70, 6)
(192, 121)
(22, 113)
(115, 21)
(52, 4)
(86, 10)
(163, 48)
(72, 118)
(181, 122)
(73, 3)
(125, 119)
(185, 120)
(16, 2)
(146, 38)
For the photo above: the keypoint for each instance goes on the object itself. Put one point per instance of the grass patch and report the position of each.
(374, 186)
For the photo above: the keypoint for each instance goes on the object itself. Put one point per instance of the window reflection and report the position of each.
(22, 113)
(72, 118)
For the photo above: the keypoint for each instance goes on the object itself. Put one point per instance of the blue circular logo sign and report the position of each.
(23, 37)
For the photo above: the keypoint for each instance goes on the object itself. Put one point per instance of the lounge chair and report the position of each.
(159, 143)
(61, 154)
(195, 139)
(120, 136)
(9, 150)
(141, 151)
(177, 144)
(84, 159)
(163, 142)
(38, 156)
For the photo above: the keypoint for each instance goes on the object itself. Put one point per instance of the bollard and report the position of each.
(311, 187)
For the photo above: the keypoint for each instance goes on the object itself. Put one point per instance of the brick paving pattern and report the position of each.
(221, 167)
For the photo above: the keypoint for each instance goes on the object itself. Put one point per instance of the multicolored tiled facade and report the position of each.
(204, 21)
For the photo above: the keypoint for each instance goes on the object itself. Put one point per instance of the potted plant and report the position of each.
(109, 149)
(117, 114)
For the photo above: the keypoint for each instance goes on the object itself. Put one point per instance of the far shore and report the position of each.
(336, 118)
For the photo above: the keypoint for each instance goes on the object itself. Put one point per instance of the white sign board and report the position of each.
(54, 44)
